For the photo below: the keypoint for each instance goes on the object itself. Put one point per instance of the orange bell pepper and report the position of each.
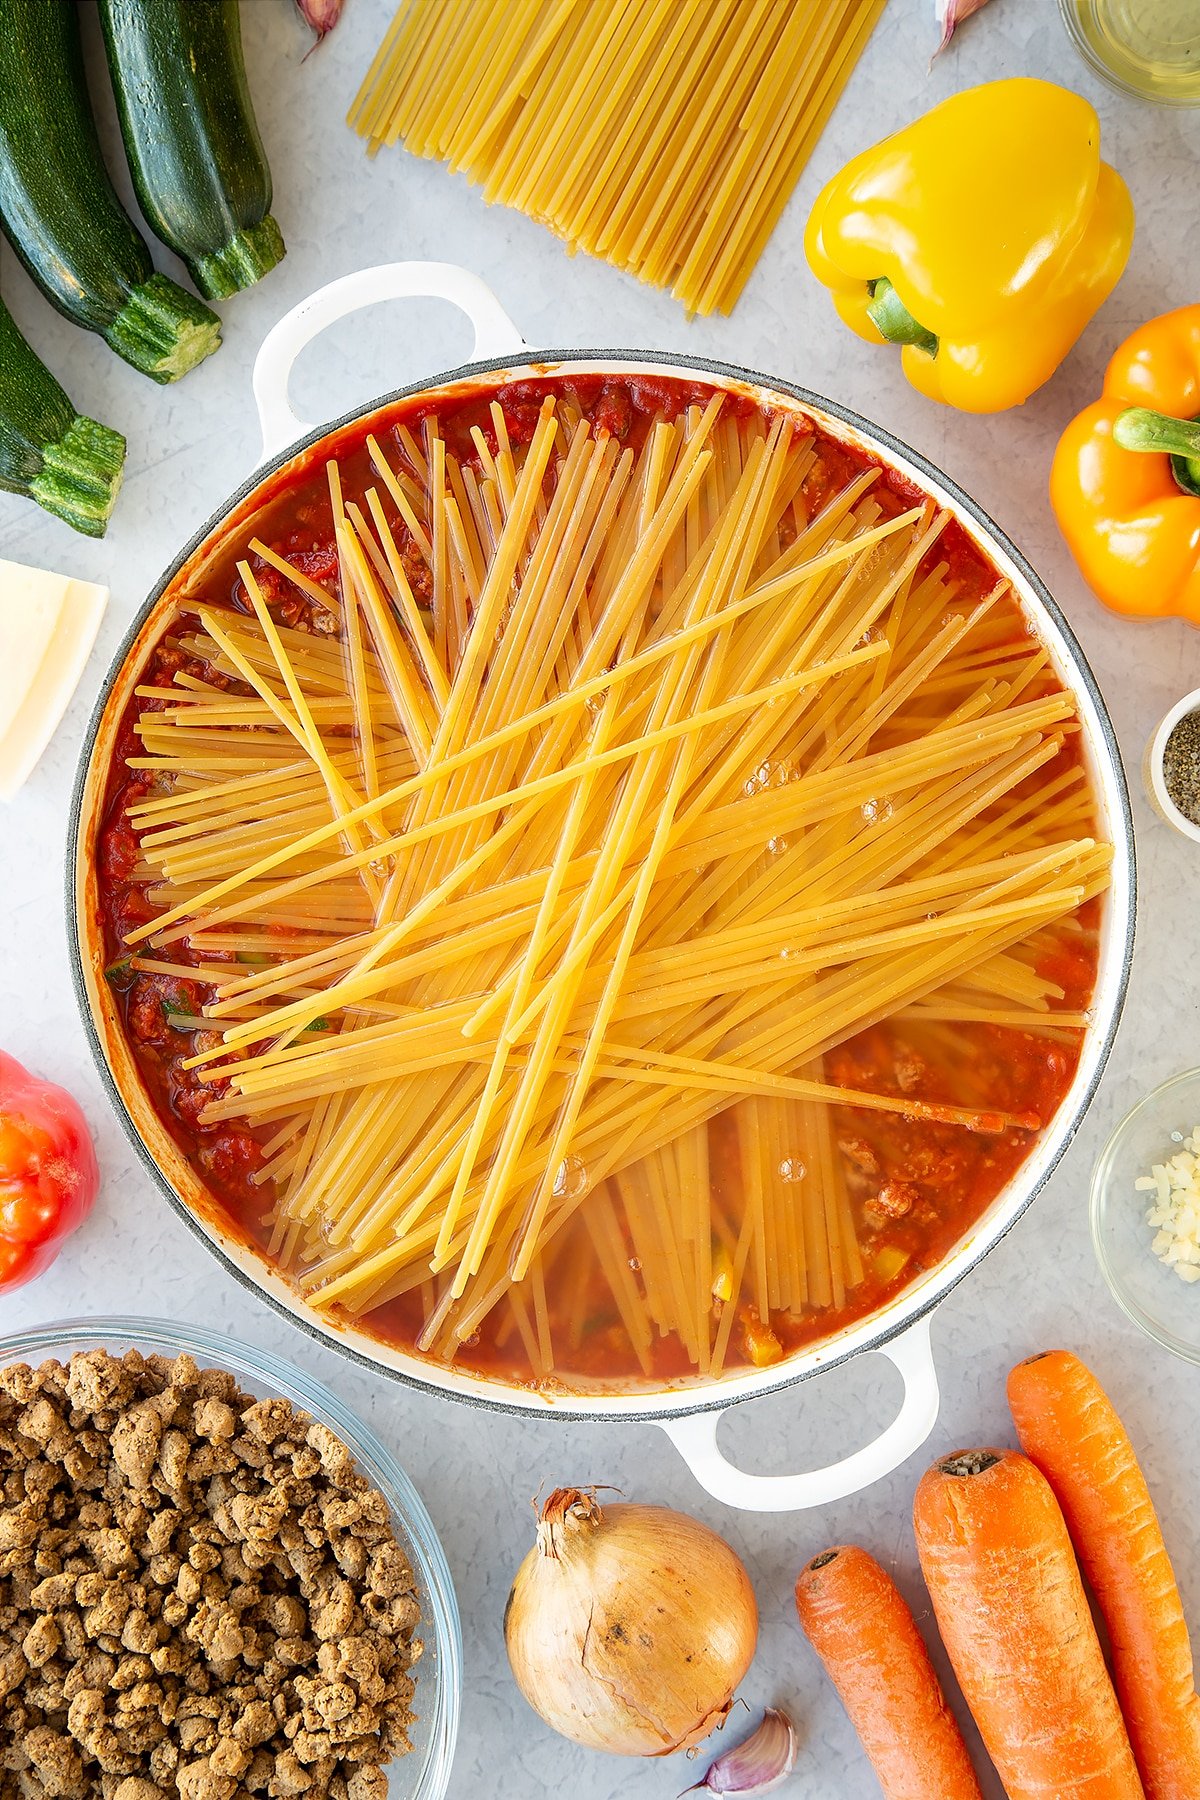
(1125, 482)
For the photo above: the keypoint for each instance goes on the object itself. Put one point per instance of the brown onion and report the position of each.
(629, 1627)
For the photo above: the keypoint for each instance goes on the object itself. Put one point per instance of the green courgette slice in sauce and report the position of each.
(68, 464)
(61, 211)
(194, 151)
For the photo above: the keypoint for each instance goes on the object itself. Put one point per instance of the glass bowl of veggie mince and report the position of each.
(1145, 1214)
(423, 1773)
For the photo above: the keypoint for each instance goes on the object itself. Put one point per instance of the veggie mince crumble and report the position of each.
(200, 1594)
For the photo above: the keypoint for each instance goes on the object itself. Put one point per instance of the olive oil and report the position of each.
(1147, 47)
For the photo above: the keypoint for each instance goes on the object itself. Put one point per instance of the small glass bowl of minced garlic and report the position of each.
(1172, 766)
(1146, 1214)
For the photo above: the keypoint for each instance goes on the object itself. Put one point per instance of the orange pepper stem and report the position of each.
(1138, 428)
(894, 321)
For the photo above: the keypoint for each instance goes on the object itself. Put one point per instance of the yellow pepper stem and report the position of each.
(1138, 428)
(894, 321)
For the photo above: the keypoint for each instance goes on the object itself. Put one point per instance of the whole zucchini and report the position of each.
(68, 464)
(194, 151)
(62, 213)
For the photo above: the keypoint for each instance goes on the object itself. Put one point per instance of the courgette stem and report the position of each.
(81, 475)
(246, 258)
(50, 453)
(195, 153)
(163, 331)
(61, 212)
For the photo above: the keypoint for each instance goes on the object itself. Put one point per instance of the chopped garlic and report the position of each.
(1175, 1208)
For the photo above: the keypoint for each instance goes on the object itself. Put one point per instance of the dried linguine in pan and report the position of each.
(603, 885)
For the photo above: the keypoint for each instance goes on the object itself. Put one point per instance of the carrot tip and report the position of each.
(826, 1557)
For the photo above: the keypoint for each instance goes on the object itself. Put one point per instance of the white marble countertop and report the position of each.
(191, 444)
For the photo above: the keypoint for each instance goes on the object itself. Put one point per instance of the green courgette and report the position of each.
(194, 151)
(62, 213)
(68, 464)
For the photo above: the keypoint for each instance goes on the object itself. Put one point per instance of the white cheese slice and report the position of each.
(48, 625)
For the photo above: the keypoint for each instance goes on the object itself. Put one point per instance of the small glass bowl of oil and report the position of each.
(1148, 48)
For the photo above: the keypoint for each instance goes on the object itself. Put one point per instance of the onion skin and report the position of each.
(629, 1627)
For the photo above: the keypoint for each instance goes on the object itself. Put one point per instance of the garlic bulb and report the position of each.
(629, 1627)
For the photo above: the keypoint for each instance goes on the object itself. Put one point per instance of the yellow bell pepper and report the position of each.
(1125, 484)
(982, 238)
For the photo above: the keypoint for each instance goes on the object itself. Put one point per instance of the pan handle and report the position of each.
(495, 333)
(695, 1438)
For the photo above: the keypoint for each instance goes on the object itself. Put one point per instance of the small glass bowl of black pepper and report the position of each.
(1172, 766)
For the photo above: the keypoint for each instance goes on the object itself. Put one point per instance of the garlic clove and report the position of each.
(322, 15)
(756, 1765)
(950, 15)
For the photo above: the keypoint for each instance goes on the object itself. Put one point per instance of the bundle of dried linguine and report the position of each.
(665, 137)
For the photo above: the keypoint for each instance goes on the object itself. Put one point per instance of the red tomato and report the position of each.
(48, 1174)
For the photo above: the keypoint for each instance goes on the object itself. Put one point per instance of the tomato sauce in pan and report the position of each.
(915, 1187)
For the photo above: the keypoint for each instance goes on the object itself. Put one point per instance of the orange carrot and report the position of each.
(860, 1627)
(1069, 1427)
(1014, 1618)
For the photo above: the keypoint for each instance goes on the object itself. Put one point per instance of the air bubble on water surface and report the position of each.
(875, 811)
(570, 1178)
(635, 1263)
(768, 775)
(777, 845)
(792, 1169)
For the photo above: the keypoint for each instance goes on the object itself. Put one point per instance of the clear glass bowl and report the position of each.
(1152, 1294)
(1147, 48)
(424, 1774)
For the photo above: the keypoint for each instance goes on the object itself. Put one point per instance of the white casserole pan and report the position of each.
(689, 1413)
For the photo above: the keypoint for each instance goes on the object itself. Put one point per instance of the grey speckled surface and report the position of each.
(191, 444)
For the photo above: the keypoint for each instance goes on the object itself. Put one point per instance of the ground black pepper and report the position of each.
(1181, 766)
